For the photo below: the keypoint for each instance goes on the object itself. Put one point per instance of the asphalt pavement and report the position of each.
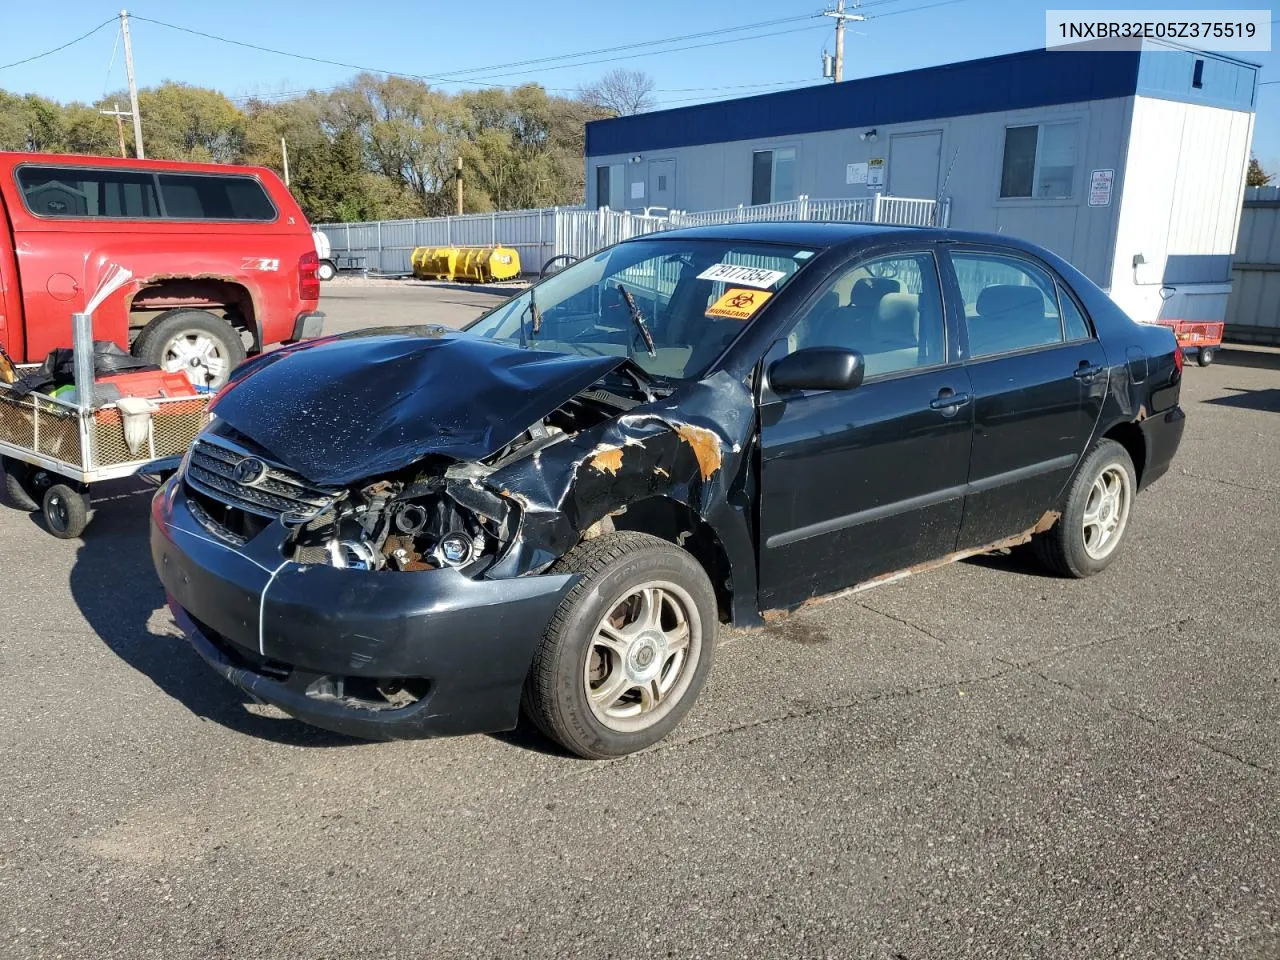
(977, 761)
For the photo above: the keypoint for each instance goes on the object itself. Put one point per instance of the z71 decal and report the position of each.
(268, 264)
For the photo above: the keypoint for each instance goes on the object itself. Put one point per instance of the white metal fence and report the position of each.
(385, 246)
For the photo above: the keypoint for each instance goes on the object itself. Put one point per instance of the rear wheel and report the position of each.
(20, 485)
(629, 649)
(326, 270)
(204, 347)
(1095, 517)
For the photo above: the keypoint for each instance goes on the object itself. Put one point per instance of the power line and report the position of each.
(83, 36)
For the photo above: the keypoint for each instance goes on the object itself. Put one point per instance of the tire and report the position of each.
(618, 571)
(204, 347)
(24, 485)
(66, 511)
(326, 270)
(1204, 356)
(556, 264)
(1067, 548)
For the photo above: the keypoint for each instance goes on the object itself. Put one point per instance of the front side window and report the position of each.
(1009, 304)
(77, 192)
(888, 309)
(692, 297)
(1039, 161)
(773, 175)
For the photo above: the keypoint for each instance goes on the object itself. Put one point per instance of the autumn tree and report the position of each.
(1255, 176)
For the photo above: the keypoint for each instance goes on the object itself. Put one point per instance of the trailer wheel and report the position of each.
(1205, 356)
(24, 485)
(195, 342)
(326, 270)
(66, 511)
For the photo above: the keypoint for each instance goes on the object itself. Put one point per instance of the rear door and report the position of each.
(1038, 377)
(856, 483)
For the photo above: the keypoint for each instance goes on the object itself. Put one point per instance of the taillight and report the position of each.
(308, 276)
(1178, 358)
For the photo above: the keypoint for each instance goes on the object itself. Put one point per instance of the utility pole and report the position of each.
(119, 114)
(840, 18)
(459, 179)
(133, 86)
(284, 156)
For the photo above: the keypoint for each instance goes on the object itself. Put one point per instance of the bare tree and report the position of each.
(621, 92)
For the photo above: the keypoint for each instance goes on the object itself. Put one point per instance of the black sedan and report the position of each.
(417, 531)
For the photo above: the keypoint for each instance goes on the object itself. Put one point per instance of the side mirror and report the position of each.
(818, 368)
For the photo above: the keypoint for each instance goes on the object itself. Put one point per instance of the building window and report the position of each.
(1039, 161)
(773, 176)
(609, 186)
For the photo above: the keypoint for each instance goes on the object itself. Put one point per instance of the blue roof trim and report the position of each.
(1015, 81)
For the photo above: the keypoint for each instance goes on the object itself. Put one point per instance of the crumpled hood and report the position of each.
(346, 408)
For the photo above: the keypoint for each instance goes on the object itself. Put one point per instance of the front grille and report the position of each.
(211, 470)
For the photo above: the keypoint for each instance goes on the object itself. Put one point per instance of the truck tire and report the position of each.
(628, 650)
(204, 347)
(326, 270)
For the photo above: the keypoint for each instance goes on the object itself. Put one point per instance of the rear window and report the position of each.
(77, 192)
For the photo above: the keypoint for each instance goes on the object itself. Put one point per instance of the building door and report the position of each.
(913, 164)
(662, 184)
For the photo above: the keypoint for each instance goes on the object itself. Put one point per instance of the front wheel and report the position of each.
(66, 511)
(195, 342)
(629, 649)
(1095, 516)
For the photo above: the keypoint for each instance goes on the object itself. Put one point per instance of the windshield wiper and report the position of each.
(638, 319)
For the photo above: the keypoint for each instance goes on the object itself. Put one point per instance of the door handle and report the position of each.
(948, 399)
(1086, 372)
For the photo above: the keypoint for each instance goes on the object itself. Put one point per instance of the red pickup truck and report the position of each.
(222, 259)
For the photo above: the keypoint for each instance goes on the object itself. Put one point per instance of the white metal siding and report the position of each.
(1183, 187)
(1253, 314)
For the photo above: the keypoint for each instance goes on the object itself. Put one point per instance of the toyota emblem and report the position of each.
(249, 471)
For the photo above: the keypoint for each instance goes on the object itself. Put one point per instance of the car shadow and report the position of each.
(1018, 560)
(1261, 359)
(527, 736)
(1267, 400)
(117, 592)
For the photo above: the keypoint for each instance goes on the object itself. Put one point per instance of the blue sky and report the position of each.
(438, 38)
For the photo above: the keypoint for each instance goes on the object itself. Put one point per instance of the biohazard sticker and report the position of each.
(738, 304)
(747, 276)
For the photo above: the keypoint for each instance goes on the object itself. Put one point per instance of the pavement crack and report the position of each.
(906, 623)
(1271, 492)
(1155, 724)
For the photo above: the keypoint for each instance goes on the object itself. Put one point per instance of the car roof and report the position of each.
(816, 233)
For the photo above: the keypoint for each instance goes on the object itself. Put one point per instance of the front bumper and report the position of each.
(315, 640)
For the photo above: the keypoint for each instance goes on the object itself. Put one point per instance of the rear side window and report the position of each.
(1010, 304)
(77, 192)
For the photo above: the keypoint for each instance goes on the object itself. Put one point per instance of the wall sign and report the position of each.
(637, 190)
(875, 172)
(855, 173)
(1100, 184)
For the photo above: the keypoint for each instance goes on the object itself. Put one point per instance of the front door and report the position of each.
(913, 164)
(862, 482)
(662, 184)
(1038, 377)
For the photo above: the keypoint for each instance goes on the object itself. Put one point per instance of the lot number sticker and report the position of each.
(738, 304)
(749, 276)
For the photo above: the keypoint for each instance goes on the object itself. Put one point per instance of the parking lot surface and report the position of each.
(977, 761)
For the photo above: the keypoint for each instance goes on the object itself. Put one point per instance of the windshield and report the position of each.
(671, 304)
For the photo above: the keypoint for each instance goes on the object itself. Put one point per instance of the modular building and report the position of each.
(1128, 164)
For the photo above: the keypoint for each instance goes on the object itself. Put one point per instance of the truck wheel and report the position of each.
(21, 485)
(326, 270)
(66, 511)
(204, 347)
(629, 649)
(1095, 517)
